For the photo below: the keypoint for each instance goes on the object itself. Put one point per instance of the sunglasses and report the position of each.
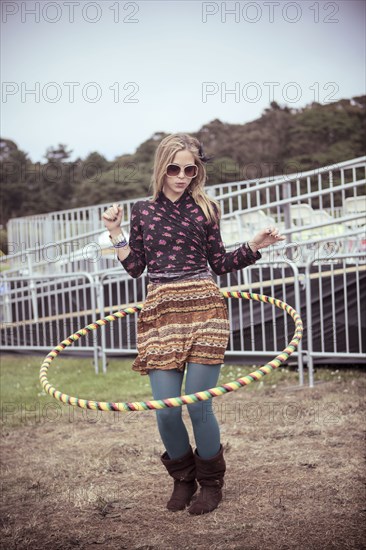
(190, 171)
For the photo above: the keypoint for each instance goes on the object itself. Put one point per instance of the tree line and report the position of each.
(282, 140)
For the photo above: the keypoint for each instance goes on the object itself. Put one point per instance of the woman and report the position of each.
(184, 322)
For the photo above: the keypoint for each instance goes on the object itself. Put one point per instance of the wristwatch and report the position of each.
(119, 241)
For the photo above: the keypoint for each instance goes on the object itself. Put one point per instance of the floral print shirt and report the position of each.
(176, 237)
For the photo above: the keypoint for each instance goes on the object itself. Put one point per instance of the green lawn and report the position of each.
(21, 390)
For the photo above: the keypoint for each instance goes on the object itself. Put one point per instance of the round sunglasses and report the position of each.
(190, 170)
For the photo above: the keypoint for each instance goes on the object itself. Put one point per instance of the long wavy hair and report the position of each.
(165, 154)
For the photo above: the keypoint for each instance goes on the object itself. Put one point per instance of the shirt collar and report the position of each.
(164, 199)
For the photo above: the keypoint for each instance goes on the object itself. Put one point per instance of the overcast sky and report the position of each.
(104, 76)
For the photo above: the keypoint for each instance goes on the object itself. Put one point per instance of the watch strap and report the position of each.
(118, 240)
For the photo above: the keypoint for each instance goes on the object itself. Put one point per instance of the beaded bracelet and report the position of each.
(119, 241)
(121, 244)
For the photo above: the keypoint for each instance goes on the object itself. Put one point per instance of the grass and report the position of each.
(20, 386)
(21, 392)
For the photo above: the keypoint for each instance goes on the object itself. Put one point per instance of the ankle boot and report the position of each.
(210, 475)
(183, 471)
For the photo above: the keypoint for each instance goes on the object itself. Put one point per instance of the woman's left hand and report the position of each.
(265, 237)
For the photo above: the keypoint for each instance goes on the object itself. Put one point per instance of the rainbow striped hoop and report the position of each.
(171, 401)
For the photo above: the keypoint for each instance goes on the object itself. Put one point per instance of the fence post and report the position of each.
(308, 322)
(94, 301)
(5, 311)
(32, 288)
(100, 296)
(298, 309)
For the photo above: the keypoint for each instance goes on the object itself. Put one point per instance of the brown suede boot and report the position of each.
(183, 471)
(210, 475)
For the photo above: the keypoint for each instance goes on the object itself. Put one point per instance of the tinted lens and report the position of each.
(172, 169)
(190, 171)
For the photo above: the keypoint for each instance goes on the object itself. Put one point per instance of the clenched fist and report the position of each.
(112, 217)
(265, 237)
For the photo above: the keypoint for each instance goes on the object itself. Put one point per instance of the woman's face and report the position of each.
(174, 186)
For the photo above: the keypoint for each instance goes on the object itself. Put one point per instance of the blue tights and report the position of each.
(168, 383)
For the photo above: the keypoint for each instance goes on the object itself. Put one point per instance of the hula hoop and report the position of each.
(171, 401)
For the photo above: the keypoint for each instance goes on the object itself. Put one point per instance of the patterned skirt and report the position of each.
(183, 321)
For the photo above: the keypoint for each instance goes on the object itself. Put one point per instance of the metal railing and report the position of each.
(33, 232)
(346, 315)
(47, 242)
(287, 195)
(38, 312)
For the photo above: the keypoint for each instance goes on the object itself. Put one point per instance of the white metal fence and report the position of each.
(329, 201)
(337, 287)
(39, 312)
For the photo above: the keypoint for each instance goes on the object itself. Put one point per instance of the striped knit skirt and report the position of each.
(183, 321)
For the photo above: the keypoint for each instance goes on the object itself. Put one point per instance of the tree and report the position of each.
(57, 154)
(13, 187)
(313, 136)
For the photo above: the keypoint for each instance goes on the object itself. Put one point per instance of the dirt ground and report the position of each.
(295, 476)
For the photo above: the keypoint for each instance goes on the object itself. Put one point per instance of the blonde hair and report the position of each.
(165, 154)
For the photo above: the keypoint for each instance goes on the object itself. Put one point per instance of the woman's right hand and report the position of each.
(112, 217)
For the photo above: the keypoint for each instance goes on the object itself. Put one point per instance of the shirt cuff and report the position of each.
(126, 261)
(251, 255)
